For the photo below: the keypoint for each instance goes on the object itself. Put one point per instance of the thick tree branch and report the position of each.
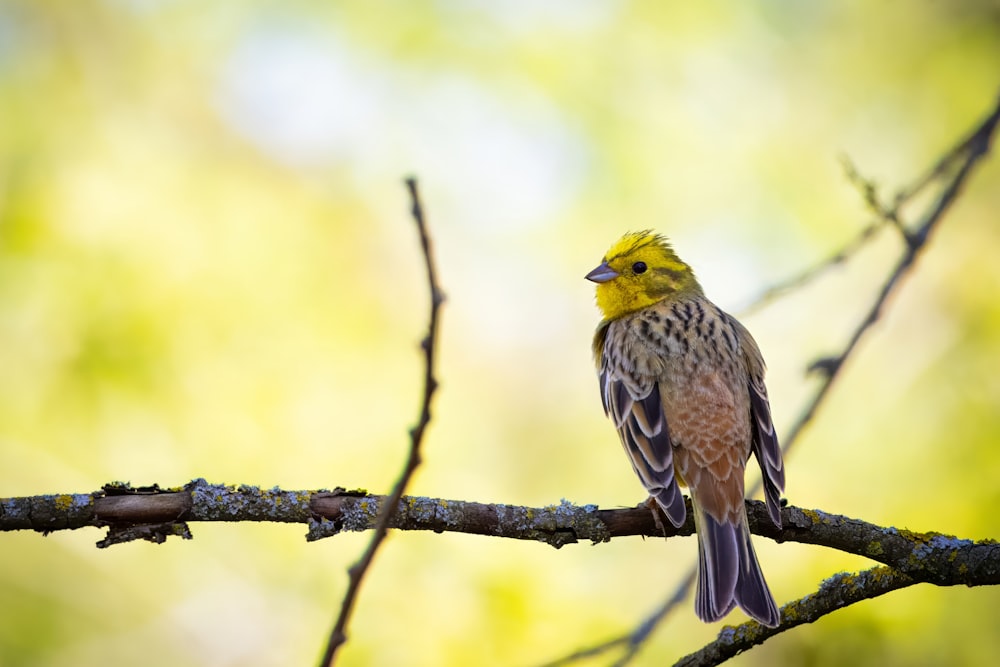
(932, 557)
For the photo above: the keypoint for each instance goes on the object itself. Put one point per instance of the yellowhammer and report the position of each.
(683, 382)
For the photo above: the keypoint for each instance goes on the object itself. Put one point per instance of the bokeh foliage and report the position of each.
(207, 269)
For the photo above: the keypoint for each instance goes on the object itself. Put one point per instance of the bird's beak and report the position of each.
(602, 274)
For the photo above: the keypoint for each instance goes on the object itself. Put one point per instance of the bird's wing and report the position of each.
(765, 447)
(634, 405)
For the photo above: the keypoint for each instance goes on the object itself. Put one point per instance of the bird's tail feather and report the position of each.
(728, 572)
(752, 594)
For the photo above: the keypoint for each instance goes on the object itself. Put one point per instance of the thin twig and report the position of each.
(869, 192)
(835, 593)
(802, 279)
(884, 213)
(972, 148)
(357, 571)
(635, 639)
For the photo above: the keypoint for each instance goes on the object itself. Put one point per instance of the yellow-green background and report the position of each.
(207, 269)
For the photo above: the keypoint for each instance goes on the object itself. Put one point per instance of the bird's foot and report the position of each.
(654, 508)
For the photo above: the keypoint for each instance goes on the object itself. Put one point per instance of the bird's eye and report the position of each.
(639, 267)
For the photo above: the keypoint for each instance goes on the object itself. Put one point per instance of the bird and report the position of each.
(683, 383)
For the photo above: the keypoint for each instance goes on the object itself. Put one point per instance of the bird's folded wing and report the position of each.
(637, 412)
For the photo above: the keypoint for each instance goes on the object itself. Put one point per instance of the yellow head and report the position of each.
(639, 270)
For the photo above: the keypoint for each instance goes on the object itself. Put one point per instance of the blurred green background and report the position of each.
(207, 269)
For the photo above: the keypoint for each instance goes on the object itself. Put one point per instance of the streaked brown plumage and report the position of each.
(683, 382)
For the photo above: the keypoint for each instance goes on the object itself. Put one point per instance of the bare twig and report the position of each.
(973, 149)
(802, 279)
(885, 214)
(837, 592)
(958, 161)
(869, 192)
(357, 571)
(635, 639)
